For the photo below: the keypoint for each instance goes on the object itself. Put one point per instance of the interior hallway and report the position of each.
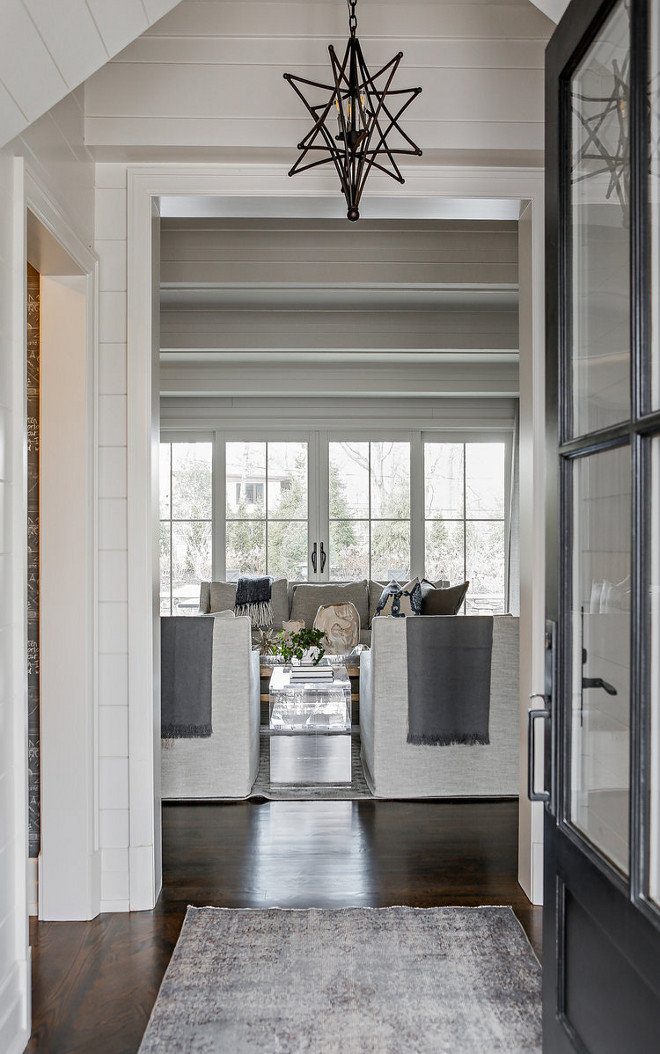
(94, 983)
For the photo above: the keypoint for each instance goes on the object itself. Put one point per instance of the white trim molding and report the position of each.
(265, 190)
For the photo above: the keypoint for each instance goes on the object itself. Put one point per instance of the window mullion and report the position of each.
(417, 506)
(219, 505)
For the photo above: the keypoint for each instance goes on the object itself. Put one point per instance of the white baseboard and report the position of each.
(33, 886)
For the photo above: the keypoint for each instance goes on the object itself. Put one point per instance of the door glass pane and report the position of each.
(600, 185)
(600, 631)
(287, 549)
(369, 502)
(349, 480)
(484, 481)
(287, 481)
(246, 481)
(654, 883)
(349, 550)
(390, 480)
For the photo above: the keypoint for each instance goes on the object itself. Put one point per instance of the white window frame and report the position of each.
(318, 476)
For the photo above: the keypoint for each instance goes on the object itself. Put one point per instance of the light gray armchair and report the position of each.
(395, 768)
(225, 764)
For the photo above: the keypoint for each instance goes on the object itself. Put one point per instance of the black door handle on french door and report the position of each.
(314, 557)
(324, 557)
(532, 715)
(598, 682)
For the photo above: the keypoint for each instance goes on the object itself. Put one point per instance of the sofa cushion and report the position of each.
(308, 597)
(401, 601)
(442, 601)
(222, 596)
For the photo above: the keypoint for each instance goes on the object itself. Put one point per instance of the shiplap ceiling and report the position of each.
(49, 47)
(382, 305)
(206, 84)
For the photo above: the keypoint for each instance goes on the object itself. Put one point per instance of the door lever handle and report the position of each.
(324, 557)
(314, 557)
(598, 682)
(532, 715)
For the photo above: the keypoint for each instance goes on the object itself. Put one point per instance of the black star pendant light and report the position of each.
(352, 122)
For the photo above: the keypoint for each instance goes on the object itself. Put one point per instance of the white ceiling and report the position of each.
(49, 47)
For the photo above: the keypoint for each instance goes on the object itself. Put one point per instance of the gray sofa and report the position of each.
(395, 768)
(225, 764)
(301, 600)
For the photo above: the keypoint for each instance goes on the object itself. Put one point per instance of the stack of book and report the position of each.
(311, 673)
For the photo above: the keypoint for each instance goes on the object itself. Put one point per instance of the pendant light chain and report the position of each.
(352, 18)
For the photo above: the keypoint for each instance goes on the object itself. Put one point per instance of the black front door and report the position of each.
(602, 821)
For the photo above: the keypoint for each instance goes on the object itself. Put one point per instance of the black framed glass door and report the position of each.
(601, 921)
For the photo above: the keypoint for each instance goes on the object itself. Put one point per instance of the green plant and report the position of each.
(290, 645)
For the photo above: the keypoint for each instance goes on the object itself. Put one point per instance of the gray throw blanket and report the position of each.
(449, 678)
(253, 599)
(186, 660)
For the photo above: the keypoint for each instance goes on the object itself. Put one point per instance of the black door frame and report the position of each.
(571, 862)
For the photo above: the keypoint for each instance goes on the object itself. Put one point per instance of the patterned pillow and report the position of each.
(400, 601)
(341, 625)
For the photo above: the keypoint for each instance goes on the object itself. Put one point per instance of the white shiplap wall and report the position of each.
(48, 49)
(14, 963)
(208, 77)
(110, 198)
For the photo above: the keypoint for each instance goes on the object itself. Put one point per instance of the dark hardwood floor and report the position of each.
(94, 983)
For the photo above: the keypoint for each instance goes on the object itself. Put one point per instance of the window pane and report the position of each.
(246, 480)
(191, 481)
(484, 480)
(390, 550)
(287, 481)
(445, 551)
(349, 480)
(600, 630)
(601, 228)
(390, 480)
(164, 480)
(165, 597)
(287, 549)
(484, 558)
(349, 550)
(246, 548)
(191, 559)
(443, 469)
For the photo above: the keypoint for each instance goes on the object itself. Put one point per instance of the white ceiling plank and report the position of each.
(56, 24)
(12, 118)
(27, 67)
(553, 9)
(119, 22)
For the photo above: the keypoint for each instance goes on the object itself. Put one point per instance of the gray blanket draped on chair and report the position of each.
(449, 679)
(186, 660)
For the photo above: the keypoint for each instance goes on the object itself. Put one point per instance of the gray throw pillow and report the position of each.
(442, 601)
(308, 597)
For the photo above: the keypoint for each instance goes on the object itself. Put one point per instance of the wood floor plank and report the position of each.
(94, 983)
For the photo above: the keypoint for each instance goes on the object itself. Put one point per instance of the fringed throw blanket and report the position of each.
(253, 599)
(449, 679)
(186, 659)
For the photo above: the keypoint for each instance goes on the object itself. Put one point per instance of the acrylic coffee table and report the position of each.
(310, 728)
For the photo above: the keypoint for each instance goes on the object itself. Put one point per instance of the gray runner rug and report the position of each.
(369, 980)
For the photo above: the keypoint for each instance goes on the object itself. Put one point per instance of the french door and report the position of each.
(601, 904)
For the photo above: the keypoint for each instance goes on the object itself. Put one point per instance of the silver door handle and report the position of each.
(532, 715)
